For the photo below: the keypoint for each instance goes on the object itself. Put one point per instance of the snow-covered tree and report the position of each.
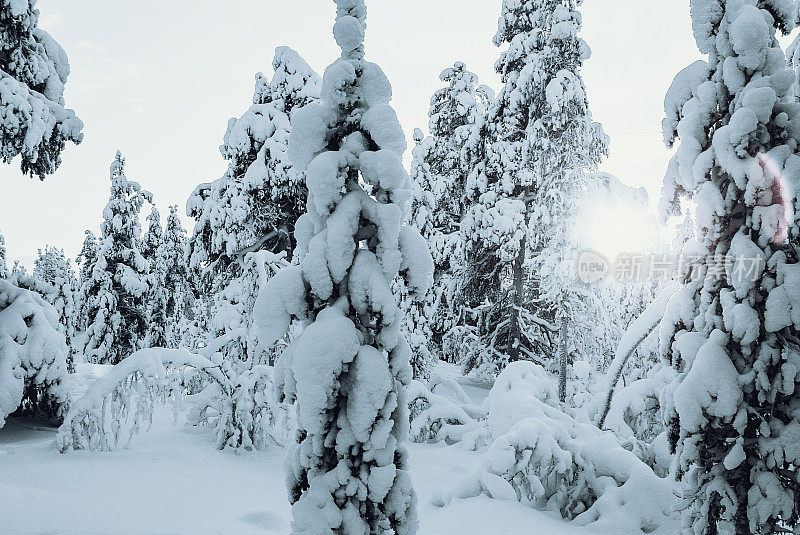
(256, 202)
(151, 240)
(53, 268)
(33, 71)
(440, 167)
(543, 146)
(248, 212)
(348, 368)
(33, 355)
(116, 294)
(176, 285)
(731, 332)
(86, 260)
(157, 296)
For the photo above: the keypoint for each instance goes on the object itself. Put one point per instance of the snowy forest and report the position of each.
(363, 328)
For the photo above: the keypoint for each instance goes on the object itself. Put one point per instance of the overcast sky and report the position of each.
(159, 80)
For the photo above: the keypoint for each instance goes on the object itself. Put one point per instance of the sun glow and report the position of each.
(613, 230)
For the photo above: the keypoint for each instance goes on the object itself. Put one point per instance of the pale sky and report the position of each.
(158, 80)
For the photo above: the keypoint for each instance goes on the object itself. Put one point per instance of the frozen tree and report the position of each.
(543, 146)
(157, 296)
(88, 256)
(33, 355)
(243, 232)
(256, 202)
(175, 282)
(86, 260)
(440, 167)
(116, 294)
(151, 240)
(348, 369)
(33, 71)
(731, 332)
(53, 268)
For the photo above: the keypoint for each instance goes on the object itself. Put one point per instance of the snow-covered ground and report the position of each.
(173, 480)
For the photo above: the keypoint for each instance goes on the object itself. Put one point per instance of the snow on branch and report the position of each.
(638, 330)
(96, 420)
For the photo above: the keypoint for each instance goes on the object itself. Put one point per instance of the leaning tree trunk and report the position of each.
(563, 354)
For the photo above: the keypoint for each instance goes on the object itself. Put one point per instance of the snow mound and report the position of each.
(520, 388)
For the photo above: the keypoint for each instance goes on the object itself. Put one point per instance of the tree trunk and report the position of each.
(562, 374)
(515, 334)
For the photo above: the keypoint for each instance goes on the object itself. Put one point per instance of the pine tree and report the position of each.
(731, 332)
(543, 147)
(244, 220)
(151, 240)
(33, 71)
(440, 168)
(86, 259)
(176, 285)
(157, 296)
(53, 268)
(349, 367)
(116, 293)
(255, 204)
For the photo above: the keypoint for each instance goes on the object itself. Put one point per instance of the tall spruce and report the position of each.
(542, 150)
(349, 367)
(116, 293)
(732, 330)
(439, 170)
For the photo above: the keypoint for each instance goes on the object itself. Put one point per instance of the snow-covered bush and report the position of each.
(33, 355)
(33, 71)
(120, 402)
(519, 389)
(443, 412)
(241, 406)
(551, 462)
(636, 417)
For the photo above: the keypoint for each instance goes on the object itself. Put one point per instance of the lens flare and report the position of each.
(777, 206)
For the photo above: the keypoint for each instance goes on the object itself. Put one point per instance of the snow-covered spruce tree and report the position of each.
(732, 330)
(157, 296)
(53, 268)
(255, 204)
(177, 288)
(86, 260)
(151, 240)
(116, 293)
(245, 221)
(348, 368)
(33, 71)
(543, 149)
(440, 167)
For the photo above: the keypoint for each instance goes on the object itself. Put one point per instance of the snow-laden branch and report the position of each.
(88, 424)
(634, 335)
